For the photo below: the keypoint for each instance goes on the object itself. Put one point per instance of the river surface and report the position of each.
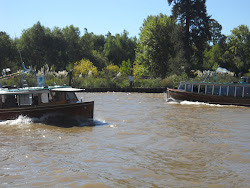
(135, 140)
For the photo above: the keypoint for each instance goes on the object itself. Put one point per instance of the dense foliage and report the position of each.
(159, 48)
(61, 48)
(178, 44)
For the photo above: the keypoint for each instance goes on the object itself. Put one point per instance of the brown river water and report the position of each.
(135, 140)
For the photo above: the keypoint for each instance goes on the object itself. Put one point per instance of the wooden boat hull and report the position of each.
(180, 95)
(84, 109)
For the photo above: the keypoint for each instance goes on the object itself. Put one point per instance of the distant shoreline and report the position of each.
(138, 90)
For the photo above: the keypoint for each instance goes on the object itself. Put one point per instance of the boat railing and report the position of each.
(232, 89)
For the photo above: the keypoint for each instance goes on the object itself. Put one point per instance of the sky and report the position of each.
(103, 16)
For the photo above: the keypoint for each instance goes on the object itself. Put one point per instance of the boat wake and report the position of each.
(54, 119)
(170, 99)
(195, 103)
(21, 120)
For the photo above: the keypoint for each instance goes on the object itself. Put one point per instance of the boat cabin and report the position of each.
(219, 89)
(15, 98)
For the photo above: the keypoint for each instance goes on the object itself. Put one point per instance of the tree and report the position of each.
(239, 47)
(58, 47)
(92, 48)
(99, 42)
(192, 15)
(87, 45)
(36, 46)
(8, 52)
(139, 70)
(215, 30)
(99, 59)
(120, 48)
(213, 58)
(126, 67)
(158, 45)
(71, 35)
(83, 67)
(111, 70)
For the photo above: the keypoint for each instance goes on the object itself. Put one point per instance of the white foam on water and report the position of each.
(170, 99)
(100, 122)
(23, 120)
(53, 119)
(196, 103)
(199, 103)
(173, 102)
(113, 126)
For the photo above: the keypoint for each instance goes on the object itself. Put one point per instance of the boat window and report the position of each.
(231, 91)
(247, 92)
(239, 91)
(189, 87)
(35, 99)
(202, 89)
(25, 99)
(1, 103)
(9, 101)
(59, 96)
(209, 89)
(243, 80)
(216, 90)
(3, 98)
(182, 87)
(71, 96)
(45, 98)
(195, 88)
(223, 90)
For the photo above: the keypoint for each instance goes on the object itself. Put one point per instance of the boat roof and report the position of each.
(31, 90)
(67, 89)
(215, 83)
(19, 92)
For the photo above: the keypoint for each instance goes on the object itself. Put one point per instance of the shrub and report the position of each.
(140, 70)
(147, 83)
(171, 81)
(83, 67)
(111, 71)
(126, 67)
(57, 81)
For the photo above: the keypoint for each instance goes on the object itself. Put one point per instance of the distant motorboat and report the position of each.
(213, 93)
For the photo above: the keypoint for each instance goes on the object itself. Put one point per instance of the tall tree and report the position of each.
(72, 37)
(59, 49)
(120, 48)
(92, 48)
(8, 52)
(159, 45)
(33, 45)
(213, 57)
(192, 15)
(87, 44)
(239, 47)
(215, 30)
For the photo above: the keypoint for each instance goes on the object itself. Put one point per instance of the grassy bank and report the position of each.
(117, 82)
(91, 82)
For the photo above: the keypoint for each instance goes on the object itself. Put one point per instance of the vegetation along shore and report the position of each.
(169, 49)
